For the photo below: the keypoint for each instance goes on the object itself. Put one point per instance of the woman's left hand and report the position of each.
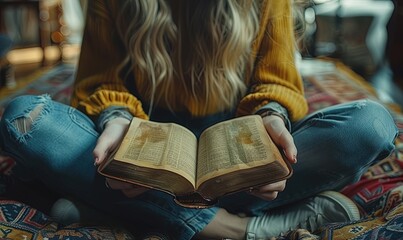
(275, 127)
(107, 142)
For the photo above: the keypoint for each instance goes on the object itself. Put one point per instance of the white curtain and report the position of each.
(73, 14)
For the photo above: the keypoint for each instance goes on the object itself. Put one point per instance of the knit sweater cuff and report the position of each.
(112, 113)
(274, 108)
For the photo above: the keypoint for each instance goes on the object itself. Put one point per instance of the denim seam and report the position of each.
(311, 122)
(321, 187)
(72, 113)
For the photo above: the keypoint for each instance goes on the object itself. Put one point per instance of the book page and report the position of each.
(232, 145)
(165, 146)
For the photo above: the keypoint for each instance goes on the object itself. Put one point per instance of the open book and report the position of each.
(230, 156)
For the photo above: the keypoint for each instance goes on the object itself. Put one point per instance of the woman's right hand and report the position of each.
(283, 139)
(108, 141)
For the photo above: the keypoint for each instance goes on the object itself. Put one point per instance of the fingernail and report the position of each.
(96, 161)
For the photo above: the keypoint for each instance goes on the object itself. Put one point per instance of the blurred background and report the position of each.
(363, 34)
(38, 33)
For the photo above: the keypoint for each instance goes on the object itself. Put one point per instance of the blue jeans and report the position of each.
(335, 146)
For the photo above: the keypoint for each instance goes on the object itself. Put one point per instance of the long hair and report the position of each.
(201, 47)
(299, 7)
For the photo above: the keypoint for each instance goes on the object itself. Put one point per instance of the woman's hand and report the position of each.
(110, 138)
(107, 142)
(283, 139)
(275, 127)
(269, 191)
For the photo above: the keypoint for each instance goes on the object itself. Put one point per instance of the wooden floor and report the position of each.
(27, 61)
(388, 88)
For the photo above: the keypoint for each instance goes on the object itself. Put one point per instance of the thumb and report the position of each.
(109, 139)
(102, 149)
(281, 136)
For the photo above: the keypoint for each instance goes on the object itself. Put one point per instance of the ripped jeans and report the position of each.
(335, 146)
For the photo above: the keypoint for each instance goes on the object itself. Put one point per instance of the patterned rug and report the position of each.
(21, 222)
(55, 81)
(378, 194)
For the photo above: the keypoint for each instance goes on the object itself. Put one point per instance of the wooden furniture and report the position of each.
(6, 73)
(395, 41)
(48, 23)
(353, 31)
(36, 5)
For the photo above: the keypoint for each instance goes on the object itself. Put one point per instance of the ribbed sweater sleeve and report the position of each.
(97, 85)
(275, 76)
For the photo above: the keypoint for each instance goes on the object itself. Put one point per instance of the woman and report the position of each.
(197, 63)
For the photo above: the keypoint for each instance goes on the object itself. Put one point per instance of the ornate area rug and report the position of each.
(19, 221)
(378, 194)
(55, 81)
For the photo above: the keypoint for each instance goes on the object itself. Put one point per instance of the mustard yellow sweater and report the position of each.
(274, 77)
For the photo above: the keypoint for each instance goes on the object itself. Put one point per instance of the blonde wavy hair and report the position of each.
(203, 52)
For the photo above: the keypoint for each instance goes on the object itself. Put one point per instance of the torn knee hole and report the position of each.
(24, 124)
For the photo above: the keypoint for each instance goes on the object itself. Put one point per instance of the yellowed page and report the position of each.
(165, 146)
(232, 145)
